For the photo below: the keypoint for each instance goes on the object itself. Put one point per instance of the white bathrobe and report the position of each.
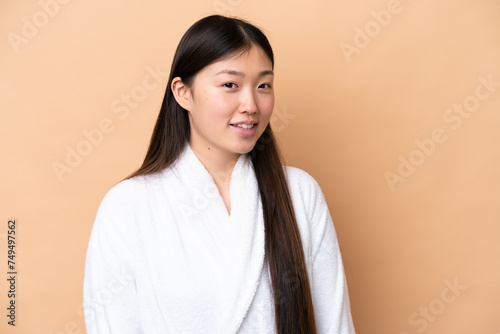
(166, 257)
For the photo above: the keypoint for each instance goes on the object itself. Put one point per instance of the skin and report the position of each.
(217, 99)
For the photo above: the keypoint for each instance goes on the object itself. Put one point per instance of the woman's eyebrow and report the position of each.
(241, 74)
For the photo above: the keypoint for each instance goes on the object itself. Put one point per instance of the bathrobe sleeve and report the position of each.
(110, 303)
(329, 287)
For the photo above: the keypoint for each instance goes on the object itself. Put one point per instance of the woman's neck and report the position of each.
(218, 163)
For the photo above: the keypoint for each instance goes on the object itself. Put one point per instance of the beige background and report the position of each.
(347, 117)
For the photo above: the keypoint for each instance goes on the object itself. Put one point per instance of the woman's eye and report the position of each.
(265, 86)
(230, 85)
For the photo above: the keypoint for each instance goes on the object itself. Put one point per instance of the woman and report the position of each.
(212, 234)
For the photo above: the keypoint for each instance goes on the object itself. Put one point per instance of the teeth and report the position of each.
(245, 126)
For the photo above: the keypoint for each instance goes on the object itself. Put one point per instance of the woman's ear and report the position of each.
(182, 93)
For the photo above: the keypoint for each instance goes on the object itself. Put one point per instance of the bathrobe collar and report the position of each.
(239, 236)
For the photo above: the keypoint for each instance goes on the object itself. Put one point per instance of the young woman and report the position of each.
(212, 234)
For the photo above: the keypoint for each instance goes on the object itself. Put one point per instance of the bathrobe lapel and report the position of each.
(238, 237)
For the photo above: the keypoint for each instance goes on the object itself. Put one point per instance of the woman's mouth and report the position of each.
(243, 126)
(245, 130)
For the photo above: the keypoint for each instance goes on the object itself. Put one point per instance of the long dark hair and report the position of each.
(205, 42)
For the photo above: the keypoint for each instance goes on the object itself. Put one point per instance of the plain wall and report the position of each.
(386, 103)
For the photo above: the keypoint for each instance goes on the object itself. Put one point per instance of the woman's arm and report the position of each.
(329, 287)
(110, 301)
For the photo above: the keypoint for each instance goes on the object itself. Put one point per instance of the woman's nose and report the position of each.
(248, 103)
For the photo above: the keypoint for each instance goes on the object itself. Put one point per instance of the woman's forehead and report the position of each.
(254, 60)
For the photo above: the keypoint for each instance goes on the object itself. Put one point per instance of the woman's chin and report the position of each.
(244, 149)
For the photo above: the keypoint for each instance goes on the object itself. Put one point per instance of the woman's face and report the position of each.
(230, 103)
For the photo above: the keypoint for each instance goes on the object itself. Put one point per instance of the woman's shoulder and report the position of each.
(301, 180)
(304, 188)
(132, 190)
(311, 209)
